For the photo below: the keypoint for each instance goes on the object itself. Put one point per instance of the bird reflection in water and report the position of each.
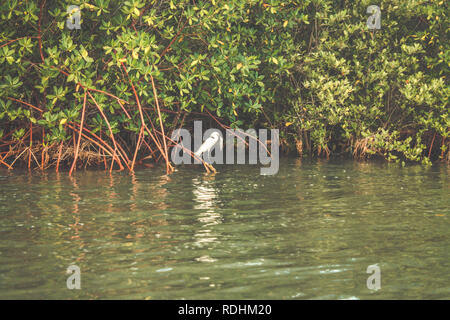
(206, 198)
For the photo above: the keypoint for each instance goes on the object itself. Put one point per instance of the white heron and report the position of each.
(207, 146)
(209, 143)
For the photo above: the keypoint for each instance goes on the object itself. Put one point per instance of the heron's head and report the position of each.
(217, 138)
(215, 135)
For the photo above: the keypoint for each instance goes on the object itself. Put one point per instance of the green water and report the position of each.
(309, 232)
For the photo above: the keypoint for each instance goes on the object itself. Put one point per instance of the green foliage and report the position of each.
(386, 87)
(311, 67)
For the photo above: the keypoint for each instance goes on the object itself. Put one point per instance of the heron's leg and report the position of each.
(209, 168)
(212, 168)
(206, 167)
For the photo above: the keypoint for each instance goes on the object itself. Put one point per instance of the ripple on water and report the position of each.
(309, 232)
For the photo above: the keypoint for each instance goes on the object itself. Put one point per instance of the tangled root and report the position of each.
(363, 147)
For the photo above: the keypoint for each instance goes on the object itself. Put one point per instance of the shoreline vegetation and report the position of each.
(110, 93)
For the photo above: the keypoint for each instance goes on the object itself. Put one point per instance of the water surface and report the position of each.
(309, 232)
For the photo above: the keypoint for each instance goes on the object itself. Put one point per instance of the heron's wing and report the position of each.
(206, 146)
